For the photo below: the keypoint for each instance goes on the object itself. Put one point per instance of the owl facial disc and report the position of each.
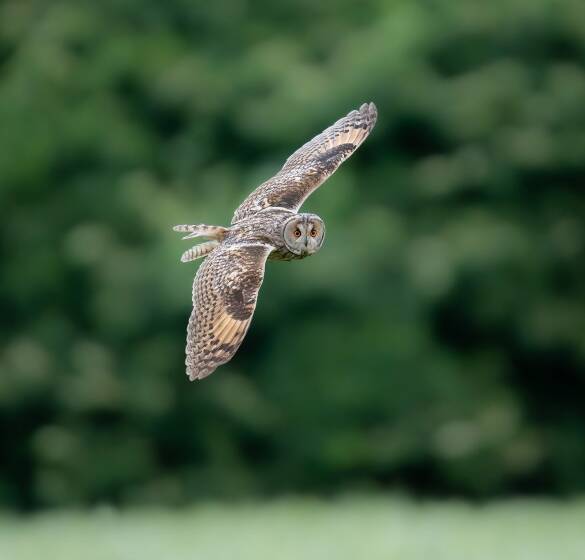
(304, 234)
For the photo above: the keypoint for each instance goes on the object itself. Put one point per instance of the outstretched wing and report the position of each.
(225, 290)
(311, 164)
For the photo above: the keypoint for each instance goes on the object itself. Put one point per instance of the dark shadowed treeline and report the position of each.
(437, 342)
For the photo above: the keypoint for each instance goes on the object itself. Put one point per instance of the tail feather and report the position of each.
(199, 251)
(201, 230)
(216, 233)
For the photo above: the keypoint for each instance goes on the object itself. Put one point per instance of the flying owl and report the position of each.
(267, 225)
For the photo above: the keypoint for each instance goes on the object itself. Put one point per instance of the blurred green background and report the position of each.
(436, 345)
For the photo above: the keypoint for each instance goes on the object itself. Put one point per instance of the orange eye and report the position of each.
(297, 232)
(313, 232)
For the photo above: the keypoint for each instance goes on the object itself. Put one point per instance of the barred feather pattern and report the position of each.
(312, 164)
(202, 230)
(198, 251)
(225, 291)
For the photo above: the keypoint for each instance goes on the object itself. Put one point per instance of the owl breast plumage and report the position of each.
(267, 225)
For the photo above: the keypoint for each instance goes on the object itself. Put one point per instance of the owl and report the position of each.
(266, 226)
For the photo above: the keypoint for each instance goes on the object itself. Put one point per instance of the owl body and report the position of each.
(266, 226)
(269, 226)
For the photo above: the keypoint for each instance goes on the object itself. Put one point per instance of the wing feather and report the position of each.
(225, 291)
(312, 164)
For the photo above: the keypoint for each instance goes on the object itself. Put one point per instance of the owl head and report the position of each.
(304, 234)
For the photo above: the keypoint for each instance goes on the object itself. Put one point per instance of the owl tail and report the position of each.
(215, 233)
(198, 251)
(201, 230)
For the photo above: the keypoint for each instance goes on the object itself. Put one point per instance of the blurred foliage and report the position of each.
(436, 343)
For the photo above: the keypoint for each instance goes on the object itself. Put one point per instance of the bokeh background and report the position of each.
(435, 346)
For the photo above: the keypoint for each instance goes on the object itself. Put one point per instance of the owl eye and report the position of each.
(313, 232)
(297, 232)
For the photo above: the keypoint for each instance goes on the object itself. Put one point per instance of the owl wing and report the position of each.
(225, 290)
(311, 164)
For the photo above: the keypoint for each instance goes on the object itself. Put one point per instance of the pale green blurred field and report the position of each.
(295, 528)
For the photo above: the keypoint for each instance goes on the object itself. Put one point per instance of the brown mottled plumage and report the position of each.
(311, 164)
(224, 298)
(265, 226)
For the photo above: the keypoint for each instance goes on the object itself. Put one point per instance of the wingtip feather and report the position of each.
(194, 374)
(370, 110)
